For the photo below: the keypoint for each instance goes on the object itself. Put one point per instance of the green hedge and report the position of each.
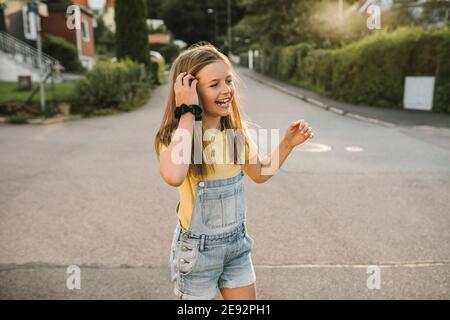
(113, 84)
(64, 51)
(259, 62)
(243, 59)
(442, 94)
(371, 71)
(158, 68)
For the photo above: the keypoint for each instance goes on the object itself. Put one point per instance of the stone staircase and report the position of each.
(18, 58)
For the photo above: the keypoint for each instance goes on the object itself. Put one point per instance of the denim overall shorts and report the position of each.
(215, 251)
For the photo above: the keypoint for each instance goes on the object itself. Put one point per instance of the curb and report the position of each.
(321, 104)
(47, 121)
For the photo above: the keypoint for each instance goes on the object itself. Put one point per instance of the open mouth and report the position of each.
(224, 103)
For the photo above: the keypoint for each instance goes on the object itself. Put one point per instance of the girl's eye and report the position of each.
(229, 81)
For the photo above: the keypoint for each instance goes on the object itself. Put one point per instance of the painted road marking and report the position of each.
(313, 147)
(354, 149)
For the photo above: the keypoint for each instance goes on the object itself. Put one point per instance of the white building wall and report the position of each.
(10, 69)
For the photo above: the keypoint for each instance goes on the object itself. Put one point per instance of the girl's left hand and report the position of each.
(298, 132)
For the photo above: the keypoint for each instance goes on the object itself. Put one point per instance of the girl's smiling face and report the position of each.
(216, 89)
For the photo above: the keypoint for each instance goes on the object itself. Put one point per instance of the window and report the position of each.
(85, 30)
(29, 24)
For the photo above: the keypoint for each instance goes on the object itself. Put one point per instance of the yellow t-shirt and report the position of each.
(222, 170)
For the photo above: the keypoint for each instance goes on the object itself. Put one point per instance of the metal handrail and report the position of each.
(12, 45)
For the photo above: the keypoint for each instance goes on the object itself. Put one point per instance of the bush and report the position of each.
(17, 119)
(262, 62)
(104, 112)
(274, 62)
(111, 84)
(285, 63)
(442, 94)
(64, 51)
(243, 59)
(157, 70)
(301, 51)
(371, 71)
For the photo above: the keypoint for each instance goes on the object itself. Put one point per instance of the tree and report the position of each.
(104, 38)
(154, 9)
(280, 22)
(131, 30)
(425, 12)
(2, 16)
(190, 21)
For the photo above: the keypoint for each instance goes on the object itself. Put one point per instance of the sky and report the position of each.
(96, 4)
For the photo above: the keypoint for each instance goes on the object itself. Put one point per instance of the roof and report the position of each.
(61, 7)
(158, 38)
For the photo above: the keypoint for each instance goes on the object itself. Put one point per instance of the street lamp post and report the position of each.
(33, 7)
(229, 27)
(215, 24)
(216, 29)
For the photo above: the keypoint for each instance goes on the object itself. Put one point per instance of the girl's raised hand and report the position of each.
(298, 132)
(185, 93)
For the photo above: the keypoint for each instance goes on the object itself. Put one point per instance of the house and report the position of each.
(18, 54)
(20, 23)
(105, 8)
(83, 38)
(158, 38)
(158, 31)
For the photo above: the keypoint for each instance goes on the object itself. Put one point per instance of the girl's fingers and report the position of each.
(305, 128)
(297, 123)
(293, 125)
(179, 77)
(194, 83)
(186, 79)
(302, 126)
(310, 133)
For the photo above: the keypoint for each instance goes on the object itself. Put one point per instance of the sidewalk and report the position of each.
(383, 116)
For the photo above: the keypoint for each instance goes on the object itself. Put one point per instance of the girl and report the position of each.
(211, 248)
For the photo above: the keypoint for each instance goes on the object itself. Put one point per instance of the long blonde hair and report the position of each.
(192, 60)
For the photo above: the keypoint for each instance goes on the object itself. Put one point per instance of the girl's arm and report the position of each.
(174, 172)
(261, 171)
(172, 169)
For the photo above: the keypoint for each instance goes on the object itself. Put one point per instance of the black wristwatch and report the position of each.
(193, 108)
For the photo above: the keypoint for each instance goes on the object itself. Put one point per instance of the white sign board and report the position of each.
(418, 94)
(250, 59)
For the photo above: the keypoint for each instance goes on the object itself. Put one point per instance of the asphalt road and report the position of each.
(88, 193)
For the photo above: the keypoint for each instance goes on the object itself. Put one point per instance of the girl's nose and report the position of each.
(228, 89)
